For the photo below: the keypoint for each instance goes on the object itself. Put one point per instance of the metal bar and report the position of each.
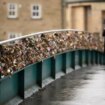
(80, 58)
(96, 54)
(0, 75)
(39, 73)
(84, 57)
(91, 57)
(87, 56)
(101, 58)
(104, 50)
(38, 33)
(98, 58)
(64, 62)
(21, 84)
(0, 57)
(73, 59)
(103, 34)
(53, 68)
(94, 57)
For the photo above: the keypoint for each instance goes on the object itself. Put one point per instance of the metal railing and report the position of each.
(38, 33)
(35, 47)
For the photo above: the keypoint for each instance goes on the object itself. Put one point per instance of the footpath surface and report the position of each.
(81, 87)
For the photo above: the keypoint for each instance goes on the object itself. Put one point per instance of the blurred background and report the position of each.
(21, 17)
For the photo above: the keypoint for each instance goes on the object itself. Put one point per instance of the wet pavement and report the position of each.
(81, 87)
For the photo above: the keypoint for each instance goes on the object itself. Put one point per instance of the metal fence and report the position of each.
(34, 60)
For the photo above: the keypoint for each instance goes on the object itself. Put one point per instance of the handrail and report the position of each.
(40, 55)
(32, 49)
(37, 33)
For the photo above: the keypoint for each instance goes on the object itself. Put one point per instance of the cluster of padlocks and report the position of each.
(33, 49)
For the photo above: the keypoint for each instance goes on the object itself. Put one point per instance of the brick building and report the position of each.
(86, 15)
(21, 17)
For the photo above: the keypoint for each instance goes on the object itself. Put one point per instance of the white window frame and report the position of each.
(9, 35)
(39, 11)
(15, 34)
(15, 10)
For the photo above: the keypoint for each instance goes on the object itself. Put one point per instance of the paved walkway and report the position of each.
(82, 87)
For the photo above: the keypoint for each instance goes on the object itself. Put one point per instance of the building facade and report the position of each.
(21, 17)
(86, 15)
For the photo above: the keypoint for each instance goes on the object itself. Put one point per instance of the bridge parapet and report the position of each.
(33, 61)
(38, 46)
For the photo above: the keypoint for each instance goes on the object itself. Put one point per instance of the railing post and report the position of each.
(0, 75)
(99, 58)
(103, 34)
(64, 62)
(80, 58)
(96, 54)
(53, 68)
(96, 57)
(87, 57)
(103, 59)
(73, 59)
(92, 57)
(39, 73)
(93, 54)
(21, 82)
(1, 50)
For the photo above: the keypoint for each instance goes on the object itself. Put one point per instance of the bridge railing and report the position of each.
(34, 60)
(17, 53)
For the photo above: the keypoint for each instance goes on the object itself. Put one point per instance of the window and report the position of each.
(36, 11)
(103, 19)
(12, 10)
(13, 35)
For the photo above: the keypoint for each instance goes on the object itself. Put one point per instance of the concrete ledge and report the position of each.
(77, 67)
(15, 101)
(69, 70)
(58, 75)
(47, 81)
(84, 65)
(31, 91)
